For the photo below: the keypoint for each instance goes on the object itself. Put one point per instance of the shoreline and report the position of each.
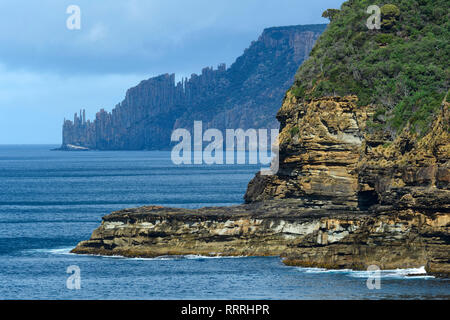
(406, 273)
(324, 238)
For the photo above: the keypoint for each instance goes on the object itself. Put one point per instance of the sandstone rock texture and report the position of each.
(304, 237)
(246, 95)
(344, 197)
(319, 153)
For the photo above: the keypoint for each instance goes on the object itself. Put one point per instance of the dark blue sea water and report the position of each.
(49, 201)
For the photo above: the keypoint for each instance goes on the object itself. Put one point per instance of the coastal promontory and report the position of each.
(364, 160)
(245, 95)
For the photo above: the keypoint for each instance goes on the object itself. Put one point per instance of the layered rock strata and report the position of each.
(319, 152)
(343, 198)
(304, 237)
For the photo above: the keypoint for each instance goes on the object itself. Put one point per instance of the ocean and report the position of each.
(49, 201)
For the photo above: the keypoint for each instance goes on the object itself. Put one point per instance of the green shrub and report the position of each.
(330, 14)
(298, 91)
(384, 38)
(294, 131)
(389, 15)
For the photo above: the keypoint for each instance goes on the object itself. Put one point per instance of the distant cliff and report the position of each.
(246, 95)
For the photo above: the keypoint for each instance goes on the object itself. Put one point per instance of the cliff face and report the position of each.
(330, 160)
(320, 146)
(336, 202)
(410, 172)
(246, 95)
(311, 238)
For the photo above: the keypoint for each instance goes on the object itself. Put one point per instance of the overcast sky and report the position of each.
(48, 72)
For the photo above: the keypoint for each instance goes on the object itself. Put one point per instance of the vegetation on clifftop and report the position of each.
(402, 69)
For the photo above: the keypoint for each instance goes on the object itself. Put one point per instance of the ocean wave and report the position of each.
(195, 256)
(66, 251)
(323, 270)
(180, 257)
(409, 273)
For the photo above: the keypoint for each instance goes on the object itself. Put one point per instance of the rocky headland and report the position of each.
(335, 203)
(364, 163)
(245, 95)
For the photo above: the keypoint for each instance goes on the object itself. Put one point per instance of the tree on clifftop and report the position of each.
(390, 14)
(330, 14)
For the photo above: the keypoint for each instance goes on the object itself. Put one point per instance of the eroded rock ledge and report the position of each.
(305, 237)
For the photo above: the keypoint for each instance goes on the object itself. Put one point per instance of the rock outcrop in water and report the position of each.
(305, 237)
(246, 95)
(351, 191)
(336, 202)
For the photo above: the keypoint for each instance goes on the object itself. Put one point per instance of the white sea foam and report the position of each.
(61, 251)
(322, 270)
(163, 258)
(187, 257)
(168, 258)
(52, 251)
(409, 273)
(66, 251)
(412, 273)
(195, 256)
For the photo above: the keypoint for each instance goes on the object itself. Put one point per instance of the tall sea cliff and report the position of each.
(246, 95)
